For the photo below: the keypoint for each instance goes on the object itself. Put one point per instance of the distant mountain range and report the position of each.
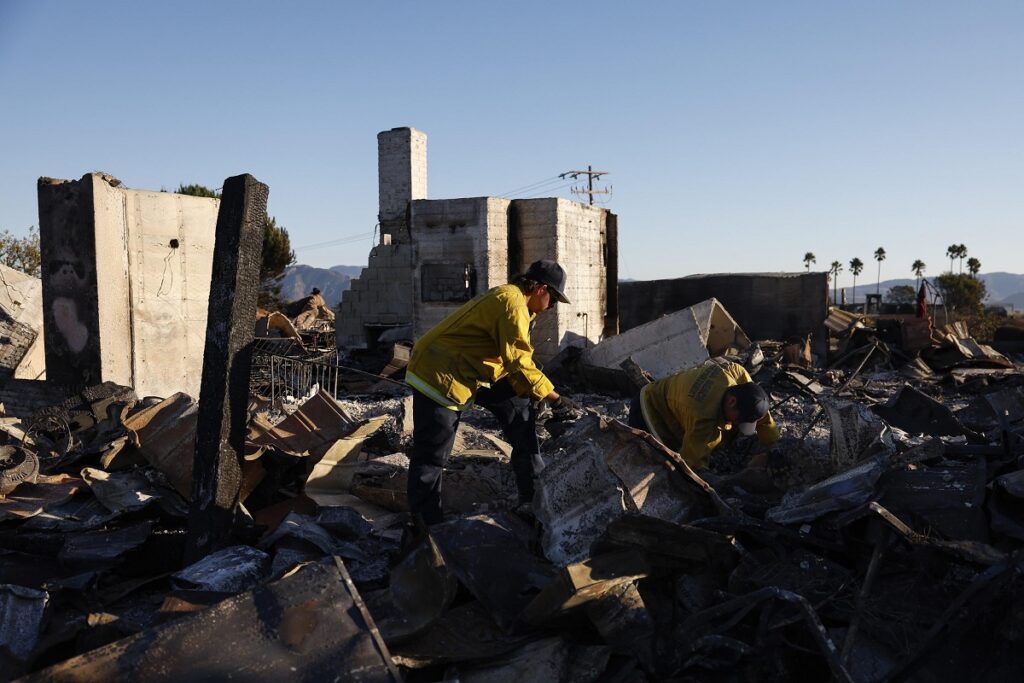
(299, 279)
(1003, 288)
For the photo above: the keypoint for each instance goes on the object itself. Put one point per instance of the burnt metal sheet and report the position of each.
(1012, 483)
(21, 619)
(165, 434)
(231, 570)
(303, 527)
(81, 513)
(669, 544)
(333, 516)
(310, 626)
(465, 633)
(621, 617)
(553, 660)
(344, 522)
(948, 499)
(104, 546)
(857, 433)
(487, 556)
(916, 412)
(47, 492)
(839, 321)
(1008, 403)
(972, 551)
(120, 491)
(583, 582)
(842, 491)
(420, 588)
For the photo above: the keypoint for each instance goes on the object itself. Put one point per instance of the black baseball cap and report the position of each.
(551, 274)
(752, 404)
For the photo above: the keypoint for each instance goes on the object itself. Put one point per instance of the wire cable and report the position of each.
(340, 240)
(527, 187)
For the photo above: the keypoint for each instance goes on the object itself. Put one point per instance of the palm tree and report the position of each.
(879, 256)
(918, 268)
(961, 253)
(809, 259)
(836, 268)
(973, 266)
(952, 251)
(856, 266)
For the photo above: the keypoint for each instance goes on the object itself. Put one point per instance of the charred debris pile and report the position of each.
(881, 543)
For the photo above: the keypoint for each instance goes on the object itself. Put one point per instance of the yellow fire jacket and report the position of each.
(684, 411)
(481, 342)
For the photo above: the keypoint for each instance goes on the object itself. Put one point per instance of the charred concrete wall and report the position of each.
(766, 305)
(126, 283)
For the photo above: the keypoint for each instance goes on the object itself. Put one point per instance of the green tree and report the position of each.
(918, 267)
(879, 256)
(197, 191)
(962, 293)
(901, 294)
(277, 250)
(961, 253)
(21, 253)
(277, 256)
(809, 258)
(856, 266)
(973, 266)
(836, 268)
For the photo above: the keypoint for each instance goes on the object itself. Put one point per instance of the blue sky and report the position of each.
(738, 135)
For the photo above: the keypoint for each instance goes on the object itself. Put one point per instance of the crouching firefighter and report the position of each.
(481, 354)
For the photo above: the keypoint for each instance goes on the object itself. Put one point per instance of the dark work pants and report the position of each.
(636, 415)
(434, 428)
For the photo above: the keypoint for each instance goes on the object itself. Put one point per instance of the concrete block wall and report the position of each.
(573, 234)
(126, 282)
(380, 297)
(457, 232)
(401, 176)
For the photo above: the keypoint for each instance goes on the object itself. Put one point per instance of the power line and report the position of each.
(341, 240)
(539, 190)
(526, 187)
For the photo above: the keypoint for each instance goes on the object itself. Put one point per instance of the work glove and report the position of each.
(565, 407)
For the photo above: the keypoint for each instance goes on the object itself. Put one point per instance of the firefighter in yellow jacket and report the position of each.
(696, 410)
(481, 354)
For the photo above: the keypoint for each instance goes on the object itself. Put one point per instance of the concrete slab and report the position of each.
(675, 342)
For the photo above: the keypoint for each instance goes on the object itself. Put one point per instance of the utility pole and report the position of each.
(591, 175)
